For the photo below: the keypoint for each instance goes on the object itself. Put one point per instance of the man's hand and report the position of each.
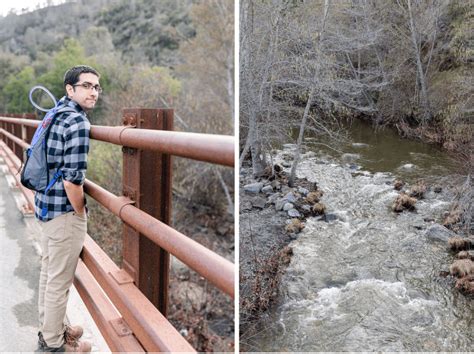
(75, 194)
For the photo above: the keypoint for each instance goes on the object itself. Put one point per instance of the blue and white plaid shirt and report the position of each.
(67, 149)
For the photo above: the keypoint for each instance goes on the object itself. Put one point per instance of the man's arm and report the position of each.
(76, 147)
(75, 194)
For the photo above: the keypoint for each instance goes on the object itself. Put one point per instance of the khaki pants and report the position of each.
(61, 241)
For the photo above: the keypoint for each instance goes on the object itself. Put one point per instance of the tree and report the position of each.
(16, 91)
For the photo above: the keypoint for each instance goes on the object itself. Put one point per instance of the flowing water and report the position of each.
(366, 278)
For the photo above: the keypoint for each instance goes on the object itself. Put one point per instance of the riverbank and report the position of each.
(271, 216)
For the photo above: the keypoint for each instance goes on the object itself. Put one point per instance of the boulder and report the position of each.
(288, 206)
(290, 197)
(437, 232)
(253, 187)
(294, 213)
(267, 190)
(279, 203)
(273, 198)
(258, 203)
(303, 191)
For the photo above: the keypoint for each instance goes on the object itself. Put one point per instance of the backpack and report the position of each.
(35, 174)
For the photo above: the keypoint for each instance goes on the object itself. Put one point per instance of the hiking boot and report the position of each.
(72, 334)
(77, 347)
(41, 343)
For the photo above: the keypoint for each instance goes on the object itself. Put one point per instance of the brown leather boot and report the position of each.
(72, 334)
(77, 347)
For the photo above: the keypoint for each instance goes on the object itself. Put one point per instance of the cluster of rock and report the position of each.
(463, 266)
(406, 200)
(298, 202)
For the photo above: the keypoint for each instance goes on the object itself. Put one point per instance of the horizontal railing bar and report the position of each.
(218, 270)
(151, 328)
(22, 121)
(213, 148)
(103, 311)
(17, 140)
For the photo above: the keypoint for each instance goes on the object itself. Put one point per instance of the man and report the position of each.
(62, 211)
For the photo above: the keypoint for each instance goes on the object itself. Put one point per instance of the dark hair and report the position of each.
(71, 77)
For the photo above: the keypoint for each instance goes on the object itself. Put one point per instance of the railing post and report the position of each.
(147, 181)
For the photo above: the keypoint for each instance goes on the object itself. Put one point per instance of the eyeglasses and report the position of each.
(88, 86)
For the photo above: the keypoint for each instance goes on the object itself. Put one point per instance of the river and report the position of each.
(366, 278)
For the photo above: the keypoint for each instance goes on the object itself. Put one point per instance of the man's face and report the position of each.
(85, 97)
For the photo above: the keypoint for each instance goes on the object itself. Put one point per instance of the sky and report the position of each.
(6, 5)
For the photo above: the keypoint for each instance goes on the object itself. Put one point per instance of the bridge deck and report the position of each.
(19, 275)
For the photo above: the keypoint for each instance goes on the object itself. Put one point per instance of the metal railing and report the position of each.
(129, 305)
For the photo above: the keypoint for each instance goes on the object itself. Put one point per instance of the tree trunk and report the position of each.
(297, 154)
(419, 66)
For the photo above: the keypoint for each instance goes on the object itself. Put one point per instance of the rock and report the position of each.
(308, 155)
(290, 197)
(276, 185)
(279, 204)
(360, 145)
(289, 146)
(437, 232)
(253, 187)
(246, 205)
(407, 167)
(294, 213)
(272, 199)
(259, 203)
(303, 191)
(305, 209)
(288, 206)
(329, 217)
(286, 189)
(437, 189)
(350, 157)
(286, 164)
(267, 190)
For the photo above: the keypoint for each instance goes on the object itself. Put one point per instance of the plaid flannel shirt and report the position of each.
(67, 149)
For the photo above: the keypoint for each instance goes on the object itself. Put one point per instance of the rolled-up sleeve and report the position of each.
(76, 147)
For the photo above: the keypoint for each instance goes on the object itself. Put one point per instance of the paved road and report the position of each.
(19, 272)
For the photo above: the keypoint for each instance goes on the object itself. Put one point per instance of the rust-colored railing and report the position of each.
(129, 305)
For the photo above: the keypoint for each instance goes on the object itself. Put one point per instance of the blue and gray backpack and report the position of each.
(35, 174)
